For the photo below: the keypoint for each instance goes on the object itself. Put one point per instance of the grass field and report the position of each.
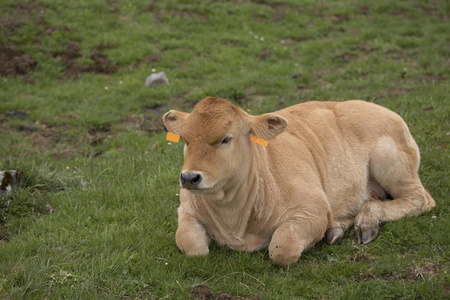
(95, 213)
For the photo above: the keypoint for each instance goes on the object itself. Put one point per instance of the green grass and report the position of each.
(95, 216)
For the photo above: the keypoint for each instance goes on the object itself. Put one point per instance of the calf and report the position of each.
(327, 165)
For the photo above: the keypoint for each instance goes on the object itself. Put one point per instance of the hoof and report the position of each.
(365, 235)
(334, 235)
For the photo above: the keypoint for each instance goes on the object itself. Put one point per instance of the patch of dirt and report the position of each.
(304, 38)
(54, 28)
(429, 108)
(99, 134)
(202, 292)
(265, 54)
(187, 15)
(25, 12)
(30, 7)
(447, 290)
(15, 63)
(145, 123)
(400, 91)
(69, 58)
(99, 129)
(288, 42)
(48, 138)
(235, 43)
(399, 12)
(339, 19)
(152, 8)
(279, 16)
(430, 77)
(67, 115)
(22, 10)
(158, 13)
(10, 23)
(427, 270)
(151, 121)
(365, 9)
(346, 57)
(394, 51)
(102, 64)
(325, 72)
(433, 8)
(361, 257)
(151, 118)
(418, 273)
(362, 47)
(149, 60)
(101, 46)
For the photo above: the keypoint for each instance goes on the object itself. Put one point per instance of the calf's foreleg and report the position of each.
(294, 236)
(191, 236)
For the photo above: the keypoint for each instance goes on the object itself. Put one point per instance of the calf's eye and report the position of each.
(226, 140)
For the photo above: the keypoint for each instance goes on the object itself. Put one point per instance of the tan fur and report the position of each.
(323, 164)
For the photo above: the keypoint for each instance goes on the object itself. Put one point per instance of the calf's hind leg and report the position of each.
(394, 167)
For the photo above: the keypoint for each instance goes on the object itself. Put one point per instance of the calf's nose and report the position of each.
(190, 179)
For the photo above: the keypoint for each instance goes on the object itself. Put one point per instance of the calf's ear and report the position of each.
(268, 126)
(173, 120)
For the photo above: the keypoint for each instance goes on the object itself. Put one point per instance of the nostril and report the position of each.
(196, 179)
(190, 179)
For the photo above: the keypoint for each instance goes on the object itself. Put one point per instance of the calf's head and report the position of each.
(218, 150)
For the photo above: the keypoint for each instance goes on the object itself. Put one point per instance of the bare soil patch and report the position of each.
(22, 11)
(182, 14)
(43, 136)
(447, 290)
(365, 9)
(418, 273)
(149, 60)
(202, 292)
(69, 58)
(151, 123)
(339, 19)
(362, 257)
(362, 47)
(265, 54)
(430, 77)
(14, 62)
(400, 91)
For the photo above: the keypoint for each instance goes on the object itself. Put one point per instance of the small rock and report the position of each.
(16, 114)
(7, 179)
(157, 79)
(26, 128)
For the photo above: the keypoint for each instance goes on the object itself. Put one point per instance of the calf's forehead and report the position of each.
(210, 121)
(211, 126)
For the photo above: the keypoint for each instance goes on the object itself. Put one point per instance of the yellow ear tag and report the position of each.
(258, 140)
(172, 137)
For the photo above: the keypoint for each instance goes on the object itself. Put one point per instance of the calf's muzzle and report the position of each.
(190, 180)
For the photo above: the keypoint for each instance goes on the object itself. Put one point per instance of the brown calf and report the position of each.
(328, 165)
